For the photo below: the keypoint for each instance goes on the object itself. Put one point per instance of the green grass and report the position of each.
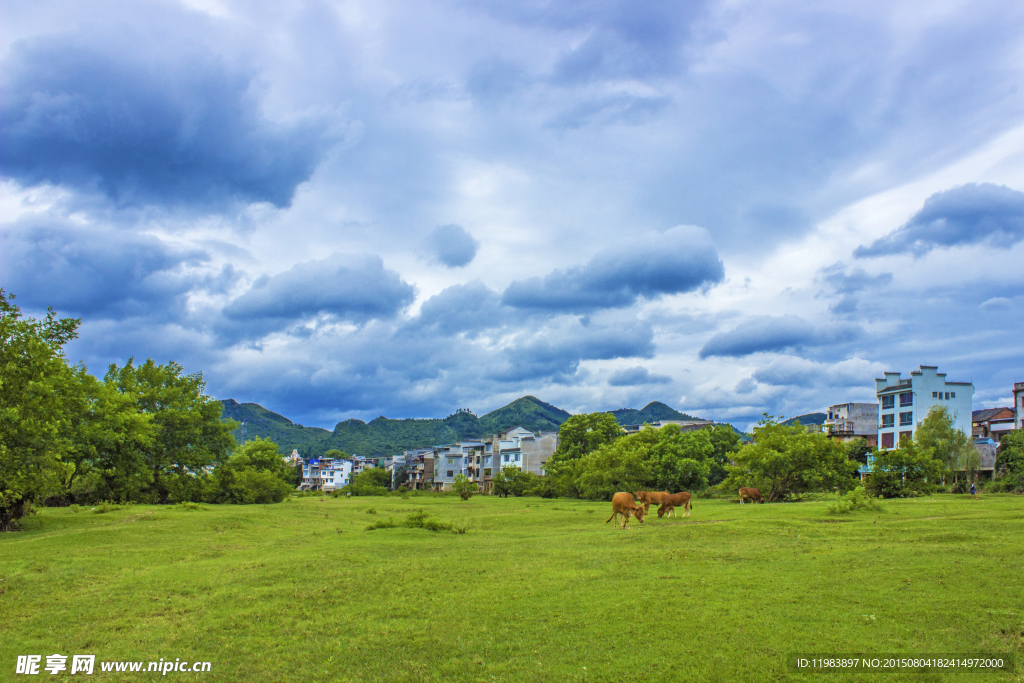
(534, 590)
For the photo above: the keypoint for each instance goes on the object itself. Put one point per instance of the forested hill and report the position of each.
(808, 419)
(384, 436)
(652, 412)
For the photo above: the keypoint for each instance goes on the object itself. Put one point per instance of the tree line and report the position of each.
(145, 433)
(595, 459)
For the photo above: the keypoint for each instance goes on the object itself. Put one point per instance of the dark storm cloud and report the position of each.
(769, 333)
(636, 376)
(680, 260)
(557, 354)
(348, 287)
(166, 128)
(451, 245)
(968, 214)
(462, 308)
(95, 272)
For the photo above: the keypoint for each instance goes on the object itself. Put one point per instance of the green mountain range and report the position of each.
(384, 436)
(808, 419)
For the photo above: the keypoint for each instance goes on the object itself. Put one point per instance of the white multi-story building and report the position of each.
(524, 449)
(904, 403)
(325, 474)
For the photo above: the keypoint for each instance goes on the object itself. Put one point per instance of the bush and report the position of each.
(513, 481)
(421, 519)
(107, 506)
(254, 474)
(905, 472)
(388, 523)
(372, 477)
(542, 487)
(247, 487)
(362, 490)
(857, 499)
(464, 487)
(1010, 483)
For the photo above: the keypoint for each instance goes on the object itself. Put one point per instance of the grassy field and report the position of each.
(534, 590)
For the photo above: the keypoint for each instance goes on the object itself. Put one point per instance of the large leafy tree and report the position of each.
(1011, 453)
(904, 472)
(938, 436)
(189, 434)
(255, 473)
(726, 441)
(624, 465)
(109, 442)
(583, 434)
(578, 437)
(681, 460)
(34, 425)
(786, 462)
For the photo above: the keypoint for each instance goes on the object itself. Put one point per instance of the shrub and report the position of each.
(388, 523)
(421, 519)
(464, 487)
(905, 472)
(247, 487)
(513, 481)
(542, 487)
(107, 506)
(255, 473)
(857, 499)
(1010, 483)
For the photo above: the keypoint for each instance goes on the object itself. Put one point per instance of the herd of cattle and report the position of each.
(639, 504)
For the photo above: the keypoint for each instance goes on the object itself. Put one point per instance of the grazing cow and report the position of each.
(624, 504)
(750, 494)
(672, 501)
(648, 497)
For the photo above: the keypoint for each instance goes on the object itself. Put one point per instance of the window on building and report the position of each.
(935, 394)
(888, 421)
(906, 399)
(451, 474)
(504, 458)
(906, 419)
(952, 394)
(888, 402)
(905, 438)
(487, 471)
(887, 440)
(517, 457)
(451, 461)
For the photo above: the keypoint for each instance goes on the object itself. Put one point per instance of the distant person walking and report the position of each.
(974, 494)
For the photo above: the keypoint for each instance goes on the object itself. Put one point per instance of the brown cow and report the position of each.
(671, 502)
(625, 505)
(648, 497)
(750, 494)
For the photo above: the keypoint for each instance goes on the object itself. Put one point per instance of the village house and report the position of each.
(684, 425)
(992, 423)
(849, 421)
(903, 403)
(325, 474)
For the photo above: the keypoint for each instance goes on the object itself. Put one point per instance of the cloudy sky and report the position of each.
(348, 209)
